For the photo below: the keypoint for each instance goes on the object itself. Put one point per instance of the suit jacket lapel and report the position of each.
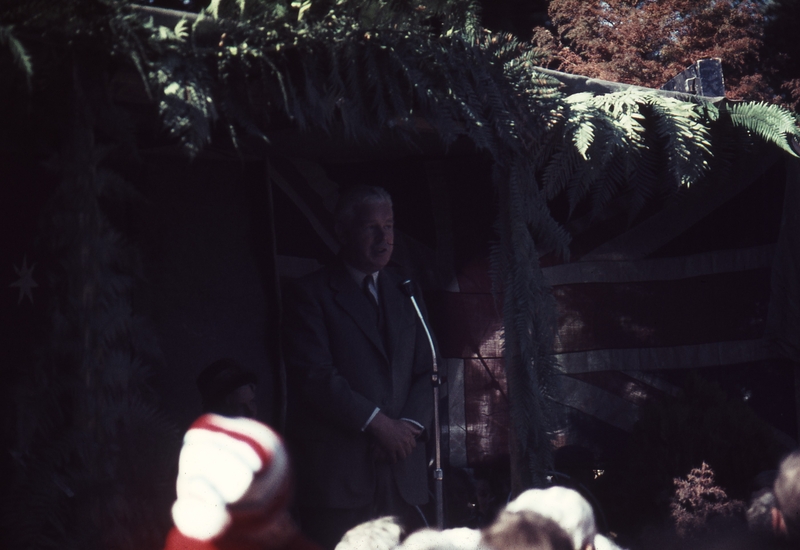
(353, 301)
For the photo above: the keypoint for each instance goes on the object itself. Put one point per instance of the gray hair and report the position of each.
(525, 530)
(345, 212)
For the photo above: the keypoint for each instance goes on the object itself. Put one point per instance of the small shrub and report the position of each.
(698, 505)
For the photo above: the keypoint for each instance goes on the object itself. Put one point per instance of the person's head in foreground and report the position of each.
(786, 513)
(233, 489)
(759, 513)
(460, 538)
(378, 534)
(525, 530)
(228, 389)
(566, 507)
(365, 228)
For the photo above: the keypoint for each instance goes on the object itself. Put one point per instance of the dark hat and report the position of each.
(220, 378)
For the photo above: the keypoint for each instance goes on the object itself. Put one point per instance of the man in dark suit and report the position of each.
(359, 365)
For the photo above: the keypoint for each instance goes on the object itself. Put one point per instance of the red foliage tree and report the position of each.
(647, 42)
(782, 49)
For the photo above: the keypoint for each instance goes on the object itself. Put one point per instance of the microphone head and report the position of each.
(408, 288)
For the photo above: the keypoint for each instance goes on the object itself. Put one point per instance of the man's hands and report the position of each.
(396, 438)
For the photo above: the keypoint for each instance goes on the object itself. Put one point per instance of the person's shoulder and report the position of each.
(318, 279)
(319, 274)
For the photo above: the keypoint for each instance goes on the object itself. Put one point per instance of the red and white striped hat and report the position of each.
(233, 486)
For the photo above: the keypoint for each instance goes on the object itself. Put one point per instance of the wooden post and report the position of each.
(279, 374)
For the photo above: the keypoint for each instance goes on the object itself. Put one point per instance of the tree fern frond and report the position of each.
(580, 126)
(181, 30)
(470, 22)
(558, 172)
(185, 102)
(594, 137)
(546, 231)
(580, 184)
(583, 137)
(376, 85)
(543, 86)
(615, 152)
(612, 180)
(213, 8)
(527, 330)
(21, 56)
(280, 79)
(687, 141)
(772, 123)
(645, 180)
(624, 108)
(352, 113)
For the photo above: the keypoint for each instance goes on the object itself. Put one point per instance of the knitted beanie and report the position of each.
(233, 487)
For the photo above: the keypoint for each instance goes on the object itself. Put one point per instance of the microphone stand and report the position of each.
(438, 474)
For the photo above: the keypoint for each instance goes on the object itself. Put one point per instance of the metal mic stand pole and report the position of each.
(438, 474)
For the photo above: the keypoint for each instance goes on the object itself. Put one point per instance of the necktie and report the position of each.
(371, 291)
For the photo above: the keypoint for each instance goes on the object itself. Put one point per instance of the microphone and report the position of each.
(407, 287)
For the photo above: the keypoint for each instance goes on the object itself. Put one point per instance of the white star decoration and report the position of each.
(25, 281)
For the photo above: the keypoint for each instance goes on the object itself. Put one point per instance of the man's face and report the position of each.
(242, 401)
(368, 243)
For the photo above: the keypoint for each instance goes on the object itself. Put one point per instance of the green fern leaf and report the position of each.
(772, 123)
(583, 138)
(559, 171)
(21, 56)
(213, 8)
(687, 141)
(181, 30)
